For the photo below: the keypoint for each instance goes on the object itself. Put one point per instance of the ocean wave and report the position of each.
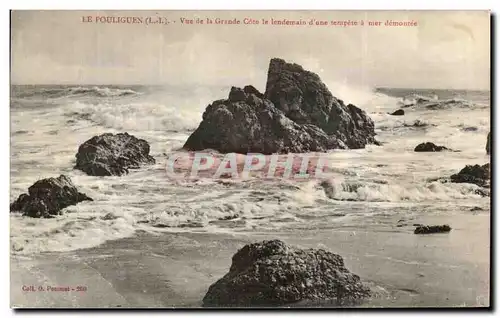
(396, 192)
(101, 91)
(141, 116)
(434, 103)
(78, 91)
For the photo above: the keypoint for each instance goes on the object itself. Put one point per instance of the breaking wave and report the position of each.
(78, 91)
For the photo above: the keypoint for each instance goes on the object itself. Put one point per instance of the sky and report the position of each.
(447, 49)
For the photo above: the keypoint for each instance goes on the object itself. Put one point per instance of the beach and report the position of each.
(175, 270)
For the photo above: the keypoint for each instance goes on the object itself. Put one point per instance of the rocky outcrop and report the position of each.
(488, 143)
(112, 155)
(430, 229)
(297, 113)
(305, 99)
(245, 123)
(429, 147)
(476, 174)
(398, 112)
(47, 197)
(298, 93)
(271, 273)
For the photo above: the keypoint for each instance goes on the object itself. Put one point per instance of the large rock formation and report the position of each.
(488, 143)
(112, 155)
(305, 99)
(297, 113)
(270, 273)
(429, 147)
(47, 197)
(245, 123)
(476, 174)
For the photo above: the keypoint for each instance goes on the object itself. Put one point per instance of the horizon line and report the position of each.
(170, 84)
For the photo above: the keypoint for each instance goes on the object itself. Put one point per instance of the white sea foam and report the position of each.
(368, 184)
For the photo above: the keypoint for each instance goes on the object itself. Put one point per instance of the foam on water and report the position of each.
(370, 187)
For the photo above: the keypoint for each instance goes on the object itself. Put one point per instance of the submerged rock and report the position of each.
(271, 273)
(476, 174)
(297, 113)
(112, 155)
(47, 197)
(469, 128)
(488, 143)
(418, 124)
(429, 147)
(398, 112)
(429, 229)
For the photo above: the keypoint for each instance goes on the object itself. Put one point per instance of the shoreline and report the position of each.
(176, 269)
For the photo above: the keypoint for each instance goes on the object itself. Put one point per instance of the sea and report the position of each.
(370, 188)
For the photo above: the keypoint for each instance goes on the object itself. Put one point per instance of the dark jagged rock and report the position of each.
(470, 128)
(249, 89)
(47, 197)
(229, 217)
(476, 174)
(398, 112)
(305, 99)
(270, 273)
(430, 229)
(429, 147)
(112, 155)
(245, 123)
(300, 94)
(488, 143)
(351, 125)
(296, 114)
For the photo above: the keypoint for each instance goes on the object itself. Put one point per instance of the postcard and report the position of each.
(260, 159)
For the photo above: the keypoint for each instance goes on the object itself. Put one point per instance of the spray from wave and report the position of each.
(78, 91)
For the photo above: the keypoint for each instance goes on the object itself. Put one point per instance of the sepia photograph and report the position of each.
(250, 159)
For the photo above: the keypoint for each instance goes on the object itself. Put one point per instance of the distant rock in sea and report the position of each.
(429, 147)
(271, 273)
(47, 197)
(112, 155)
(430, 229)
(488, 143)
(418, 124)
(297, 113)
(398, 112)
(469, 129)
(476, 174)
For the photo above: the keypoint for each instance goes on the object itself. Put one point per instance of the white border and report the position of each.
(197, 5)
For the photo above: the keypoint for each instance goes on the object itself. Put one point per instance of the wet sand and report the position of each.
(176, 269)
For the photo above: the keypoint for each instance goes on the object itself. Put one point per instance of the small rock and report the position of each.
(429, 147)
(469, 129)
(429, 229)
(476, 174)
(229, 217)
(398, 112)
(47, 197)
(112, 155)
